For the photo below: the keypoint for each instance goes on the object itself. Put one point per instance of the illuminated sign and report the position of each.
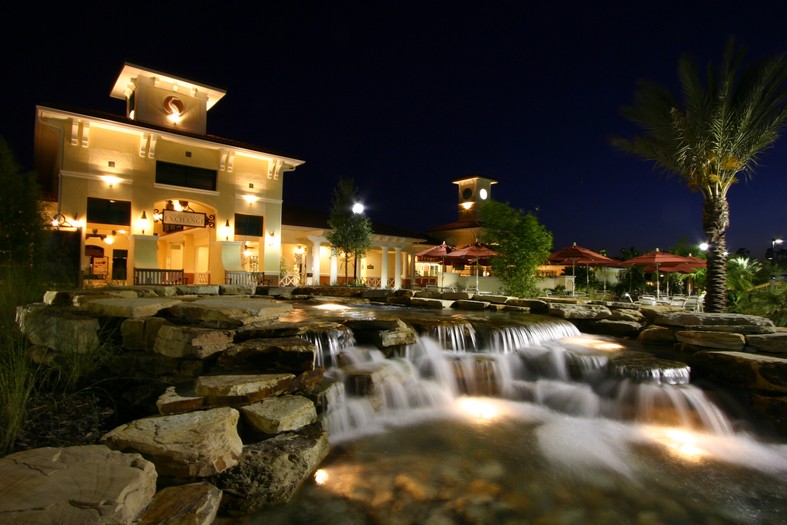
(184, 218)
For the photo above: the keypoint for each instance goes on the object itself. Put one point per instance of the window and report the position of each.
(108, 211)
(248, 225)
(185, 176)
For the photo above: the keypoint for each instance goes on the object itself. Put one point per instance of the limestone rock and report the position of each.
(269, 472)
(579, 311)
(424, 302)
(191, 341)
(280, 414)
(198, 289)
(537, 306)
(170, 402)
(698, 321)
(470, 305)
(656, 334)
(619, 328)
(382, 333)
(708, 339)
(193, 504)
(236, 390)
(276, 354)
(754, 371)
(129, 308)
(74, 486)
(193, 444)
(62, 329)
(227, 311)
(775, 343)
(140, 333)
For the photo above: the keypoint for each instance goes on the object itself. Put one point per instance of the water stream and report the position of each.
(496, 418)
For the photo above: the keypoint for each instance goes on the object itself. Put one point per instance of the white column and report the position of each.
(398, 268)
(316, 262)
(384, 268)
(334, 267)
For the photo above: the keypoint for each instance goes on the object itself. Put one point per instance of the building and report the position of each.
(149, 197)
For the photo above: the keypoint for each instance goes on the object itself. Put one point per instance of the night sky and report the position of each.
(404, 98)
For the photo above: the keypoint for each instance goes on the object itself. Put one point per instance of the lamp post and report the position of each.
(774, 242)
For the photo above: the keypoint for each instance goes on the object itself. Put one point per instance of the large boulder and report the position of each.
(194, 444)
(717, 322)
(128, 308)
(58, 328)
(709, 339)
(269, 472)
(74, 486)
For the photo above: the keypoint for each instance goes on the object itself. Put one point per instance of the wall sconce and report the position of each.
(144, 222)
(111, 180)
(251, 199)
(227, 230)
(59, 221)
(110, 239)
(271, 233)
(299, 250)
(246, 251)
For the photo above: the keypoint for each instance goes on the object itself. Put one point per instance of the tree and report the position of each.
(522, 242)
(712, 137)
(21, 223)
(351, 232)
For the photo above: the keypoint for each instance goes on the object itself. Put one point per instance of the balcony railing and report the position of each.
(157, 276)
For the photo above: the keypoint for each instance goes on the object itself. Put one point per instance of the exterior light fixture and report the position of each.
(774, 242)
(358, 208)
(144, 222)
(111, 180)
(704, 246)
(251, 199)
(227, 230)
(110, 239)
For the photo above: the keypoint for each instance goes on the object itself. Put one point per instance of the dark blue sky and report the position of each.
(404, 98)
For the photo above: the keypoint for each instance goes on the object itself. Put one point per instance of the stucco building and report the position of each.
(150, 197)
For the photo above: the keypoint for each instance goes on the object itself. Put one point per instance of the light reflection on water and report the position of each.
(476, 459)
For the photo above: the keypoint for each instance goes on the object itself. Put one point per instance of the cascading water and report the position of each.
(490, 421)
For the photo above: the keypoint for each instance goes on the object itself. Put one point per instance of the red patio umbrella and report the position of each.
(435, 254)
(476, 253)
(580, 255)
(662, 261)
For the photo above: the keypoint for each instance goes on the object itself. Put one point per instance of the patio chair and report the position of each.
(649, 300)
(693, 304)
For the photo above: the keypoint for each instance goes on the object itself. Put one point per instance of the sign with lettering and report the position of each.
(188, 219)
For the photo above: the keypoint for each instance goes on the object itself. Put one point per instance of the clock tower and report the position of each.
(473, 191)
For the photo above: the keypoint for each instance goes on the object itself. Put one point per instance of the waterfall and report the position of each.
(547, 364)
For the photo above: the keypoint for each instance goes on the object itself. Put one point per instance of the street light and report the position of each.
(358, 208)
(774, 242)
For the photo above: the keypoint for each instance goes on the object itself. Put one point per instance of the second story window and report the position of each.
(185, 176)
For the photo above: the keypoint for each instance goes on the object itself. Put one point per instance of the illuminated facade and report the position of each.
(152, 191)
(151, 198)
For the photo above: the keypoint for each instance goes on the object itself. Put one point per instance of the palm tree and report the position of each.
(712, 137)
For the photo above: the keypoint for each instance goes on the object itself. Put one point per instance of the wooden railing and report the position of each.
(244, 278)
(158, 276)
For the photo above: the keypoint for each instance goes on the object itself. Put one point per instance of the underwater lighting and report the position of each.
(478, 409)
(321, 477)
(331, 306)
(594, 343)
(680, 442)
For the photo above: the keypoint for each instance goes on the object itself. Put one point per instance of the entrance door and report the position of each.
(119, 265)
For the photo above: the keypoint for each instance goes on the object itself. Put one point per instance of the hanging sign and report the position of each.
(189, 219)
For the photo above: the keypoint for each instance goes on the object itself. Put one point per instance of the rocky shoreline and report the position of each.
(230, 399)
